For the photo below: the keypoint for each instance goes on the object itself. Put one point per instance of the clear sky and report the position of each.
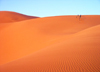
(44, 8)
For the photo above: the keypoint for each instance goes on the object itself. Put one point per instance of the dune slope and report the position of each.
(8, 16)
(25, 37)
(81, 53)
(56, 44)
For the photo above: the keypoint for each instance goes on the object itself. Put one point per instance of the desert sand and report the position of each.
(9, 16)
(50, 44)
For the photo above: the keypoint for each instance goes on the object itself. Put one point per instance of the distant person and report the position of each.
(79, 17)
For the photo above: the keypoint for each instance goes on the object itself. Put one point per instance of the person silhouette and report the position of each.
(77, 16)
(80, 17)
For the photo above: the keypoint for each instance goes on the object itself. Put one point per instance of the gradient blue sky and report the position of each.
(44, 8)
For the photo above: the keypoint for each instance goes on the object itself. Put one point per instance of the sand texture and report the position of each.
(49, 44)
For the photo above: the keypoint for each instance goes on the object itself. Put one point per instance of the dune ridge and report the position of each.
(9, 16)
(51, 44)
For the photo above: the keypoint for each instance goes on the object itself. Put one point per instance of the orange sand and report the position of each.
(51, 44)
(8, 16)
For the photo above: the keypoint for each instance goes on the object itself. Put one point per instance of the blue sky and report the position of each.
(44, 8)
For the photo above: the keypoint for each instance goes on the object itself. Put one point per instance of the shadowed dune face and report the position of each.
(8, 16)
(58, 44)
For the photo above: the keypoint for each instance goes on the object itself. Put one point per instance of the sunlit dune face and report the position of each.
(51, 44)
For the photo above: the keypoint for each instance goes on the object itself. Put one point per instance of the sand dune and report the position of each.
(56, 44)
(8, 16)
(80, 54)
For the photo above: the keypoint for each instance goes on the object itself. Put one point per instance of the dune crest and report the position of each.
(9, 16)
